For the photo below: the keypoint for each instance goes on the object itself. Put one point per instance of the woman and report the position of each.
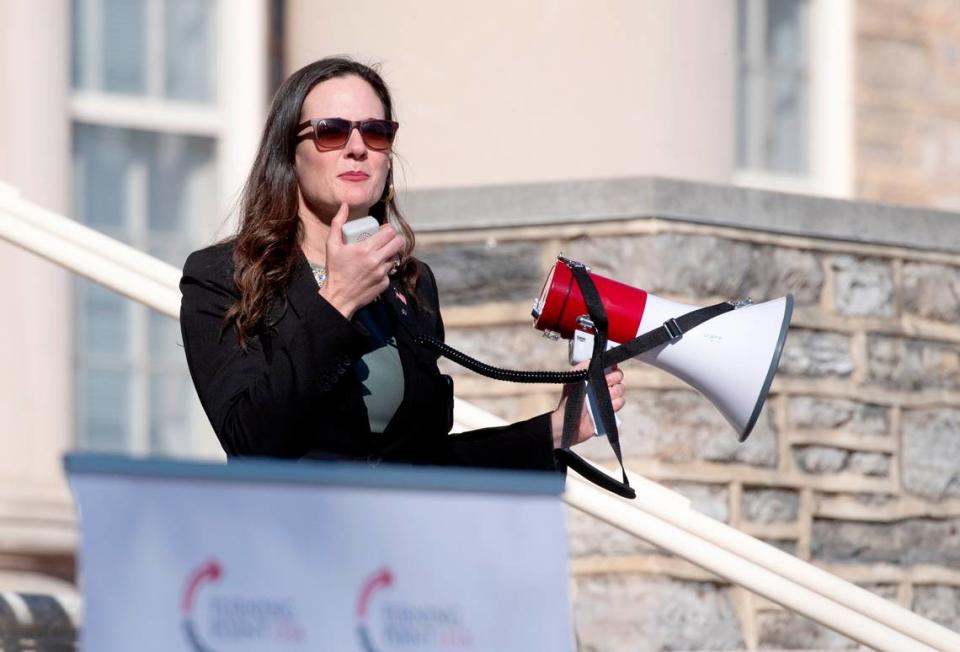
(301, 346)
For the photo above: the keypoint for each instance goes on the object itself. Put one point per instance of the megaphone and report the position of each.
(730, 359)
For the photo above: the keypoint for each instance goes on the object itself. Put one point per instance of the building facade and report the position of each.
(140, 118)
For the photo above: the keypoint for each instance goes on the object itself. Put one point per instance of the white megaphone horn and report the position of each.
(730, 359)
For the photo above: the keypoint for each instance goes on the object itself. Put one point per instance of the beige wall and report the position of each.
(515, 92)
(908, 102)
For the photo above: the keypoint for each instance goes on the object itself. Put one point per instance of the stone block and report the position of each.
(816, 354)
(940, 604)
(814, 412)
(873, 464)
(514, 347)
(690, 265)
(473, 273)
(760, 449)
(932, 291)
(770, 505)
(930, 456)
(866, 499)
(862, 287)
(710, 499)
(780, 630)
(909, 364)
(704, 266)
(908, 542)
(682, 426)
(790, 271)
(824, 460)
(820, 460)
(873, 500)
(629, 612)
(885, 591)
(788, 546)
(589, 536)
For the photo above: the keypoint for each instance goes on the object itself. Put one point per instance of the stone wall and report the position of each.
(907, 101)
(855, 462)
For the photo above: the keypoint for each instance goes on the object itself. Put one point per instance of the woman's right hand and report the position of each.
(357, 273)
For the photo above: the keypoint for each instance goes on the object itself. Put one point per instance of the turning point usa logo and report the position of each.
(222, 620)
(385, 623)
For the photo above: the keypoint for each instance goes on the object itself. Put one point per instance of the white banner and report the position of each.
(274, 556)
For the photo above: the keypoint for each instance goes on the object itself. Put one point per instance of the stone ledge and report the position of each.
(682, 201)
(553, 237)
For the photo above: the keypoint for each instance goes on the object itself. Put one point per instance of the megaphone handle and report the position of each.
(592, 408)
(581, 349)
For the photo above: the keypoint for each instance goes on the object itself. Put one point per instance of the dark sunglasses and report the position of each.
(333, 133)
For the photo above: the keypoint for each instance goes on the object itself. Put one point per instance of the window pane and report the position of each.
(187, 48)
(171, 390)
(106, 323)
(106, 402)
(785, 142)
(164, 341)
(79, 42)
(152, 187)
(101, 158)
(743, 116)
(171, 396)
(772, 111)
(181, 183)
(742, 32)
(124, 46)
(785, 27)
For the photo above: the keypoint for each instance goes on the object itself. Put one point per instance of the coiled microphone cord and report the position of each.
(497, 373)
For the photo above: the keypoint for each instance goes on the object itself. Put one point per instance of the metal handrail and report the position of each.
(89, 253)
(658, 515)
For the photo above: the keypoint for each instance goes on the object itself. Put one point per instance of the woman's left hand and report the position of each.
(614, 380)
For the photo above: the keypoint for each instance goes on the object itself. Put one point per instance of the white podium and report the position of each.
(263, 555)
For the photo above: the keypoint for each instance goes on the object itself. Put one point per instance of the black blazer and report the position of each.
(293, 394)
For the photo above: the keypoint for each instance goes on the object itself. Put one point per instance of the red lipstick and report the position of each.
(354, 176)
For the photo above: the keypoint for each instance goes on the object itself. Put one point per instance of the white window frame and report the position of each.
(829, 109)
(234, 119)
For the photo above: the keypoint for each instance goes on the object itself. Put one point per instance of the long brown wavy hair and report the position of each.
(266, 247)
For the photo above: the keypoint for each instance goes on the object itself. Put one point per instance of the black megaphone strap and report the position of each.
(671, 331)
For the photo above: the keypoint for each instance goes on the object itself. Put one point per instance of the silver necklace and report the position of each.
(319, 273)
